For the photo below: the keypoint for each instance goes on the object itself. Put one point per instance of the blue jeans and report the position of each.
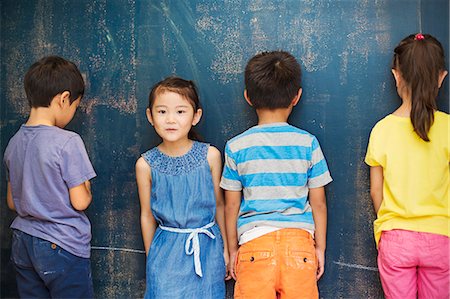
(45, 270)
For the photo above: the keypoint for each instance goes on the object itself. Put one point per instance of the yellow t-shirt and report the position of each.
(416, 175)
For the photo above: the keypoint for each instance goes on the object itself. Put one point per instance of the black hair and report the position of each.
(51, 76)
(272, 79)
(185, 88)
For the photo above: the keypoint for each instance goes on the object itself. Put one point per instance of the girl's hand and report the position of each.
(320, 255)
(230, 269)
(226, 257)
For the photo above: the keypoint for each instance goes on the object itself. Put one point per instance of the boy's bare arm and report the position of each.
(376, 186)
(318, 203)
(80, 196)
(9, 198)
(232, 204)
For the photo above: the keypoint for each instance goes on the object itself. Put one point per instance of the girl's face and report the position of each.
(172, 116)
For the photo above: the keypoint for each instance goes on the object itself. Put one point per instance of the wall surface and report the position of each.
(124, 47)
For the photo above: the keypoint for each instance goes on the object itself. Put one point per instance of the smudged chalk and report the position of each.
(356, 266)
(117, 249)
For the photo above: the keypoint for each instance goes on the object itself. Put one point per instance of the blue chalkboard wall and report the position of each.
(124, 46)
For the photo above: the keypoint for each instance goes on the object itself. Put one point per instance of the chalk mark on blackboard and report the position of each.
(356, 266)
(117, 249)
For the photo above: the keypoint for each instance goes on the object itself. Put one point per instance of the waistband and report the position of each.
(288, 232)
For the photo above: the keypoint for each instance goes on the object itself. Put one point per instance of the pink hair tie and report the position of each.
(419, 36)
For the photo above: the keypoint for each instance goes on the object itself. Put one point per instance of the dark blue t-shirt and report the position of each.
(42, 163)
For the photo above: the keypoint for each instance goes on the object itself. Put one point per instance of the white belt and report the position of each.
(192, 245)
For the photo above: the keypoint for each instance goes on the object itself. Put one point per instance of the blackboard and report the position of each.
(124, 47)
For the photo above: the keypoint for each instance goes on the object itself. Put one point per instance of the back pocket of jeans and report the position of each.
(19, 252)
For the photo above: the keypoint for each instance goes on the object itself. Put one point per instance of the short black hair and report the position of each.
(50, 76)
(272, 79)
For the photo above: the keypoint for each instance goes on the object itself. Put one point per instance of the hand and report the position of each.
(320, 255)
(226, 257)
(230, 269)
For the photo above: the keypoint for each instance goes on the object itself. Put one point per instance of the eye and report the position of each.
(181, 111)
(161, 111)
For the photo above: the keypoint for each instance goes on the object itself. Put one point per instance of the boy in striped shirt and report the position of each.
(274, 178)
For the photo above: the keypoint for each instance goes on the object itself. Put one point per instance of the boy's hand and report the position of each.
(231, 263)
(320, 254)
(226, 257)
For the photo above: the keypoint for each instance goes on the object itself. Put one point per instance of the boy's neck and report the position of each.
(41, 116)
(269, 116)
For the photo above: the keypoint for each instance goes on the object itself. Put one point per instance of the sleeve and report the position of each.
(6, 157)
(230, 176)
(372, 158)
(75, 166)
(6, 171)
(318, 173)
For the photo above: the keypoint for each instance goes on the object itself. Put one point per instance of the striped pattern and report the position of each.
(274, 166)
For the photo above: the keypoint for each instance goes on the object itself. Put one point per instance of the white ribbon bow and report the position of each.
(192, 245)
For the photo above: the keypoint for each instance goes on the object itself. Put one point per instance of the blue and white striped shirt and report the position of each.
(274, 165)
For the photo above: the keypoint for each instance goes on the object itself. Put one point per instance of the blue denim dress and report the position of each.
(186, 255)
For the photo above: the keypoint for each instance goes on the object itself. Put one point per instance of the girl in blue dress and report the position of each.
(182, 207)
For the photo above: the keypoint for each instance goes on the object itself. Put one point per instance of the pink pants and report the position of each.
(414, 264)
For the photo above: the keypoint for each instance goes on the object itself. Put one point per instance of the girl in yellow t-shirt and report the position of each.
(409, 177)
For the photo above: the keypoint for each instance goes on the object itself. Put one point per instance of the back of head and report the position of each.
(49, 77)
(272, 79)
(420, 60)
(185, 88)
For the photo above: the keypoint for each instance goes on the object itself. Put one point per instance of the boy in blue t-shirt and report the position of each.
(48, 173)
(274, 178)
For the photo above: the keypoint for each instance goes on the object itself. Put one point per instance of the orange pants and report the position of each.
(281, 264)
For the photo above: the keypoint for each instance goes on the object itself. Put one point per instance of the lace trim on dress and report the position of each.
(161, 162)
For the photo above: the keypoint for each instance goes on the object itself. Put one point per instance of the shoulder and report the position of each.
(382, 125)
(63, 135)
(441, 126)
(143, 170)
(214, 158)
(440, 116)
(213, 153)
(302, 137)
(61, 138)
(238, 137)
(142, 165)
(150, 155)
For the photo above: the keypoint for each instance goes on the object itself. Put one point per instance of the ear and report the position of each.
(65, 97)
(61, 99)
(297, 97)
(148, 112)
(397, 76)
(442, 76)
(197, 117)
(247, 98)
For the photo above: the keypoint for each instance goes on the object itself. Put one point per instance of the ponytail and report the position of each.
(420, 60)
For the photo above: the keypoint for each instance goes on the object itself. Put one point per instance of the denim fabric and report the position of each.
(45, 270)
(183, 198)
